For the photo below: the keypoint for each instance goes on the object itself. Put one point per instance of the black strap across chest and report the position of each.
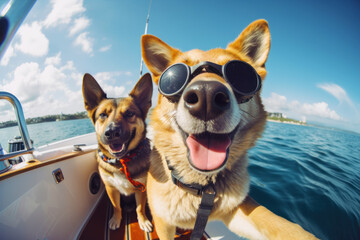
(205, 207)
(207, 194)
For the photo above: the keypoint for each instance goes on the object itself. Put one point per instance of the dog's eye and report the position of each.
(102, 115)
(129, 114)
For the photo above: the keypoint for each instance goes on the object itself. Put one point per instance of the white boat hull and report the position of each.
(34, 206)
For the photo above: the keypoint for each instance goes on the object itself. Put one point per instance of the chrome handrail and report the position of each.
(22, 126)
(12, 14)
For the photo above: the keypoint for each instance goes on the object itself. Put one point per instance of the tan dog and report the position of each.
(124, 151)
(203, 130)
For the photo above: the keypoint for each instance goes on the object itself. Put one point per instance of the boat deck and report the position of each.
(97, 226)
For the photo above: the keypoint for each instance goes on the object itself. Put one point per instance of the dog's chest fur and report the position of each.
(181, 206)
(137, 167)
(119, 181)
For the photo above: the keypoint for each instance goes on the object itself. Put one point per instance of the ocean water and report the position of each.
(308, 175)
(48, 132)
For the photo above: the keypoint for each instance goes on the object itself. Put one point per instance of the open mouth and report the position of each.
(119, 149)
(208, 151)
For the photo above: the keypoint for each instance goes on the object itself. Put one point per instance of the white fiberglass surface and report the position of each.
(34, 206)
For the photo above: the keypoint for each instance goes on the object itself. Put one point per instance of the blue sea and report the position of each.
(308, 175)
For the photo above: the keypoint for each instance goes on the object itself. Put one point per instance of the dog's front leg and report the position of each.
(144, 223)
(262, 220)
(238, 222)
(114, 195)
(163, 229)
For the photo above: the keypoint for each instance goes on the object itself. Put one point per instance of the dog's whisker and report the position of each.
(247, 113)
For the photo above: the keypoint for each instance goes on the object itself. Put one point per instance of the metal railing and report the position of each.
(22, 126)
(12, 14)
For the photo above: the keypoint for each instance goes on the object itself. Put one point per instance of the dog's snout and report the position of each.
(113, 131)
(206, 99)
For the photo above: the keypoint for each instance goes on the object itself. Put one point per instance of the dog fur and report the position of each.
(125, 119)
(170, 205)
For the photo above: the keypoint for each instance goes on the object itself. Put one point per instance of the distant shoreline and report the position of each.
(313, 125)
(47, 118)
(287, 122)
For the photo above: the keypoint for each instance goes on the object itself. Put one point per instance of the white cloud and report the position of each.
(52, 77)
(45, 90)
(54, 87)
(77, 77)
(114, 92)
(63, 11)
(320, 109)
(278, 103)
(68, 66)
(105, 48)
(25, 82)
(107, 80)
(106, 77)
(79, 25)
(110, 77)
(55, 60)
(32, 40)
(7, 55)
(29, 81)
(336, 91)
(85, 42)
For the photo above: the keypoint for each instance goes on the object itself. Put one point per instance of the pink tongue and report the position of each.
(208, 153)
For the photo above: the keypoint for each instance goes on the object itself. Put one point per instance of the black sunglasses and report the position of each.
(241, 76)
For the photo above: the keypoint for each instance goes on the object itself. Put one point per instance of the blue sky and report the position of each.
(312, 65)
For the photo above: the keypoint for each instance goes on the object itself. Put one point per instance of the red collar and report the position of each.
(140, 186)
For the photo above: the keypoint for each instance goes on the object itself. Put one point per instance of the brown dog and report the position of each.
(124, 151)
(202, 128)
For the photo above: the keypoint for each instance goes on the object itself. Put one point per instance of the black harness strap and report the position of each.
(207, 194)
(206, 205)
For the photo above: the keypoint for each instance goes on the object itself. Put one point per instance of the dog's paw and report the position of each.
(146, 225)
(114, 222)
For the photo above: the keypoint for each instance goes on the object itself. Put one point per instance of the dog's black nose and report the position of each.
(206, 99)
(113, 131)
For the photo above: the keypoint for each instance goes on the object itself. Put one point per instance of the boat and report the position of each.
(55, 191)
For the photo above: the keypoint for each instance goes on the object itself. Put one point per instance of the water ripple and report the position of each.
(310, 176)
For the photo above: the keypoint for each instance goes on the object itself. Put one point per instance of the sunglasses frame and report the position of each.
(192, 71)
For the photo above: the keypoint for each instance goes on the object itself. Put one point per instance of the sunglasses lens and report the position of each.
(242, 77)
(173, 79)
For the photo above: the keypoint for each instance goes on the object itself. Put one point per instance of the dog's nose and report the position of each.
(113, 131)
(206, 99)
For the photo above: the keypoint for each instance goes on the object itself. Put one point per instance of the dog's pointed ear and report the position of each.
(253, 42)
(142, 93)
(157, 54)
(92, 92)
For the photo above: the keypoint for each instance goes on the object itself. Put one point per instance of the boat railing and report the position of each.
(22, 127)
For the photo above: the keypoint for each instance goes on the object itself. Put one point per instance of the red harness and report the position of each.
(124, 169)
